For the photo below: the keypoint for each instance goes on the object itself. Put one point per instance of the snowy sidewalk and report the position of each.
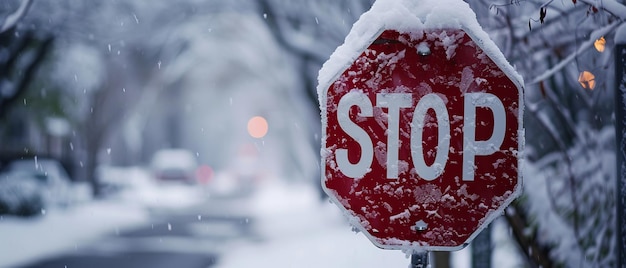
(27, 240)
(24, 240)
(301, 231)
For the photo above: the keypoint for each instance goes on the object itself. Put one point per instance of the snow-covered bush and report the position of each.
(20, 196)
(571, 198)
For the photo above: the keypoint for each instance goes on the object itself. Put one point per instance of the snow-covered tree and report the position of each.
(22, 55)
(140, 75)
(104, 55)
(564, 51)
(309, 32)
(87, 70)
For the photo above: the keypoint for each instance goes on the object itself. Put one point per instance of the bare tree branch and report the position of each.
(22, 82)
(592, 38)
(15, 17)
(616, 9)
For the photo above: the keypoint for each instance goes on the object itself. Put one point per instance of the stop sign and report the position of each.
(422, 134)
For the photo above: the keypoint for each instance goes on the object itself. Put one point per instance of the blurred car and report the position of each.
(242, 177)
(174, 165)
(232, 184)
(19, 196)
(27, 186)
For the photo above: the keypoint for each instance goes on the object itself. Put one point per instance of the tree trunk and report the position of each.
(90, 169)
(535, 253)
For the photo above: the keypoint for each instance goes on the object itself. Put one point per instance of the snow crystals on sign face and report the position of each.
(427, 194)
(380, 153)
(467, 77)
(449, 41)
(386, 64)
(402, 215)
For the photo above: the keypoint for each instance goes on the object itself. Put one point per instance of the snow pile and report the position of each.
(20, 196)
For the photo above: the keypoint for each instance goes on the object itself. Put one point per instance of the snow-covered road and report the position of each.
(281, 225)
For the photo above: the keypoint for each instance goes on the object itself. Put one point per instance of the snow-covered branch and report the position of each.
(13, 18)
(586, 45)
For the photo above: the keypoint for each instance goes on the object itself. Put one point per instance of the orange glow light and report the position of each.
(257, 127)
(599, 44)
(587, 80)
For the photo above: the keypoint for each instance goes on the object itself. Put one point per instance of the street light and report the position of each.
(599, 44)
(257, 127)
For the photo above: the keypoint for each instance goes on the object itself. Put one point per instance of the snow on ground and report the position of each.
(25, 240)
(299, 230)
(296, 229)
(142, 190)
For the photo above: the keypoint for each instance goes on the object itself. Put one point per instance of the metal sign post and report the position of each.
(419, 259)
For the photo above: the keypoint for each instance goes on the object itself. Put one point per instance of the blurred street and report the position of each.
(191, 237)
(151, 225)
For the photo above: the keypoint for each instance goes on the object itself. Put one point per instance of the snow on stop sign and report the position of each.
(422, 126)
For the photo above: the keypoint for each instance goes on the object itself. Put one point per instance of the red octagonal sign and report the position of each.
(421, 139)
